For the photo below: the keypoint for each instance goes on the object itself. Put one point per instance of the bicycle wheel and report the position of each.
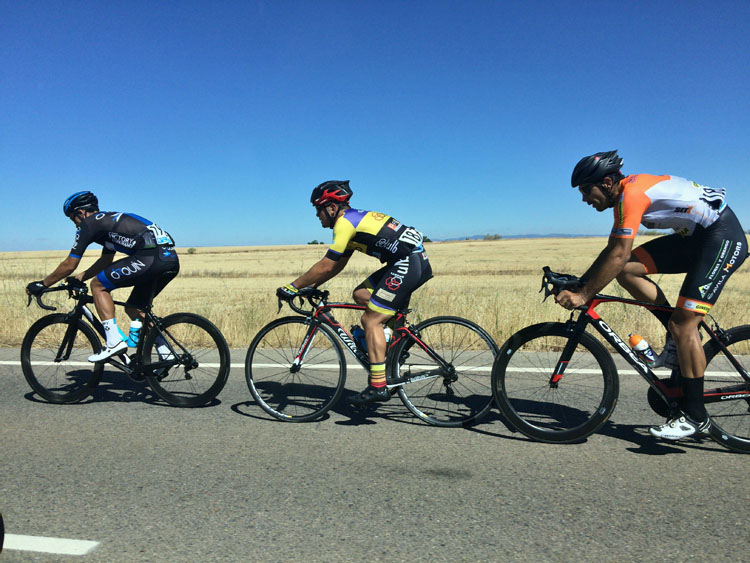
(56, 367)
(564, 412)
(200, 357)
(283, 387)
(454, 391)
(727, 393)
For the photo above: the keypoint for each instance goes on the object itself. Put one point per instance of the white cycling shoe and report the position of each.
(679, 428)
(108, 352)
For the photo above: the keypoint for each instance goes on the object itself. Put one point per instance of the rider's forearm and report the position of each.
(321, 272)
(66, 267)
(605, 268)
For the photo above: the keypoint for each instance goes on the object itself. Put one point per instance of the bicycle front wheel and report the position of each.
(558, 412)
(727, 390)
(444, 378)
(54, 359)
(199, 358)
(289, 383)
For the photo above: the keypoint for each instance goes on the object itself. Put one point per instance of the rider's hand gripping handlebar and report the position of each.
(72, 286)
(313, 296)
(553, 283)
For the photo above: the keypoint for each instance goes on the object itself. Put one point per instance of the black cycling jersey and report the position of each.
(119, 232)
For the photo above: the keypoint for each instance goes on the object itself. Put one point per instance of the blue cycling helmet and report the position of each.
(80, 200)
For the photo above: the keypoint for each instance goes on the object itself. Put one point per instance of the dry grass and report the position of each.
(493, 283)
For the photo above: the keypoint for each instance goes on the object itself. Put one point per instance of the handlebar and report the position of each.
(314, 297)
(73, 286)
(553, 283)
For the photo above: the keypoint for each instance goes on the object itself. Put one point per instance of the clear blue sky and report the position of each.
(215, 119)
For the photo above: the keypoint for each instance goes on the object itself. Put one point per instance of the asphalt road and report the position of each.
(149, 482)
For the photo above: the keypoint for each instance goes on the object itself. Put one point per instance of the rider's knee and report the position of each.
(361, 296)
(96, 285)
(683, 324)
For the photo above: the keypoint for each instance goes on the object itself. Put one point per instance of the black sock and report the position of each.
(692, 403)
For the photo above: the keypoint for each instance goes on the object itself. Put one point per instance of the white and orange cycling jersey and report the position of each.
(665, 202)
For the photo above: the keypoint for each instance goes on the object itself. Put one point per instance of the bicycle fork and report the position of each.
(570, 346)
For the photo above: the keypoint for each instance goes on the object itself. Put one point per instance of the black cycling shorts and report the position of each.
(709, 256)
(392, 285)
(147, 271)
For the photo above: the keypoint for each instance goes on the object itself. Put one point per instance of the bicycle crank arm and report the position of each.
(398, 382)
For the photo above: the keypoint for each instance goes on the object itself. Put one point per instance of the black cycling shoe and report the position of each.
(371, 395)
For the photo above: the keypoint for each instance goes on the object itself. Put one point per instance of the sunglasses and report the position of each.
(585, 189)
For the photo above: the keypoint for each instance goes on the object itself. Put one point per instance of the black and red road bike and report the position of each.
(555, 382)
(440, 368)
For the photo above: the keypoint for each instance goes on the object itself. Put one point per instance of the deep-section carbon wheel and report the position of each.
(54, 359)
(199, 356)
(565, 411)
(727, 392)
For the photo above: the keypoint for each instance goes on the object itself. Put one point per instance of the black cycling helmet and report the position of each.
(80, 200)
(332, 191)
(591, 169)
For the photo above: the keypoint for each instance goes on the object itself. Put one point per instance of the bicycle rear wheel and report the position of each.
(199, 356)
(563, 412)
(454, 391)
(54, 359)
(282, 386)
(727, 392)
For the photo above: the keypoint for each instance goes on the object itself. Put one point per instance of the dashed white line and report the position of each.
(41, 544)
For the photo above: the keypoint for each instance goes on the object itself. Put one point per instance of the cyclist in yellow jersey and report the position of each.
(708, 245)
(379, 235)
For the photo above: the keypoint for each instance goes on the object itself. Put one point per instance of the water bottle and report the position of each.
(358, 333)
(642, 349)
(135, 330)
(388, 333)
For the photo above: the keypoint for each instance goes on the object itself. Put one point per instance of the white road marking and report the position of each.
(660, 372)
(58, 546)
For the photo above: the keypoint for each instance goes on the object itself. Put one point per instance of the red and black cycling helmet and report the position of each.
(80, 200)
(591, 169)
(332, 191)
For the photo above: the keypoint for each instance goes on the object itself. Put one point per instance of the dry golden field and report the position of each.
(494, 283)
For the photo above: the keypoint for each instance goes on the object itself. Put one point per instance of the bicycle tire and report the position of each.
(730, 419)
(70, 381)
(572, 410)
(201, 368)
(457, 397)
(288, 393)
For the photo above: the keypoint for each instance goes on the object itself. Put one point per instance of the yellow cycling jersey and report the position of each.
(375, 234)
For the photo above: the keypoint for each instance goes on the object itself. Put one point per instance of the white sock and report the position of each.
(113, 332)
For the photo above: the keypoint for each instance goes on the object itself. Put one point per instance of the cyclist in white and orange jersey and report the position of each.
(394, 243)
(708, 245)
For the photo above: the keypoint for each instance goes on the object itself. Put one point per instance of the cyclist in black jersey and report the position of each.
(151, 263)
(395, 244)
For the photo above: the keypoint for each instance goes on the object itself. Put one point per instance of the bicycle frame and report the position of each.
(402, 329)
(669, 394)
(129, 365)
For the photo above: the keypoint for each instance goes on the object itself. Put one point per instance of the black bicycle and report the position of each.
(183, 357)
(440, 368)
(555, 382)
